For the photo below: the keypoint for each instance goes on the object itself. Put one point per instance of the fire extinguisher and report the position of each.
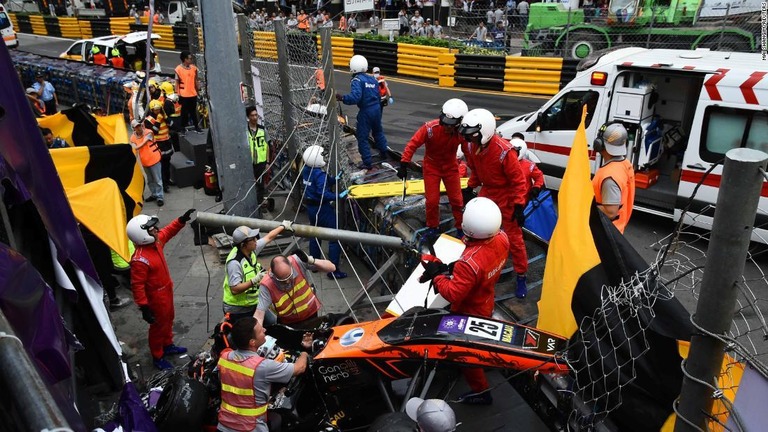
(211, 183)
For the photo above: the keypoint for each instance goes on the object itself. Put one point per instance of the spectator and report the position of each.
(292, 22)
(522, 10)
(303, 21)
(480, 33)
(490, 19)
(352, 23)
(437, 30)
(403, 20)
(374, 21)
(428, 28)
(47, 93)
(511, 8)
(343, 23)
(498, 15)
(50, 141)
(38, 107)
(416, 22)
(133, 13)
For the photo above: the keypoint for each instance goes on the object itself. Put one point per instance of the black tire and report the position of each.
(583, 43)
(729, 42)
(182, 405)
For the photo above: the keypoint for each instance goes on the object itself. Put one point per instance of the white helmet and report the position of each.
(478, 121)
(459, 153)
(358, 64)
(520, 146)
(453, 110)
(313, 156)
(138, 229)
(482, 219)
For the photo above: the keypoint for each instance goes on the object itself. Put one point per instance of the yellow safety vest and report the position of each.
(118, 263)
(249, 297)
(258, 144)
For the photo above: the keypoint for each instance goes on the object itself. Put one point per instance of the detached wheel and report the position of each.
(182, 405)
(581, 44)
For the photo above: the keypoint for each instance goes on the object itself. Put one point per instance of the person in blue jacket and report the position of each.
(365, 94)
(319, 193)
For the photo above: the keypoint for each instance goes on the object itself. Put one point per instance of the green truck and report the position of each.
(679, 24)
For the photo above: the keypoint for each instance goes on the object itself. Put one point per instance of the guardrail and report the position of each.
(529, 75)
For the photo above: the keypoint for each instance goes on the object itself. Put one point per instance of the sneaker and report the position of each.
(522, 289)
(118, 302)
(162, 363)
(198, 131)
(160, 203)
(173, 349)
(336, 275)
(472, 398)
(150, 198)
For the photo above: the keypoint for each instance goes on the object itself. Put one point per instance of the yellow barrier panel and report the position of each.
(70, 28)
(531, 88)
(531, 75)
(418, 60)
(446, 59)
(38, 25)
(446, 81)
(551, 63)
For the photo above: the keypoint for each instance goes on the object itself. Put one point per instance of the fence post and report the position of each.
(567, 34)
(653, 18)
(246, 43)
(285, 89)
(722, 26)
(735, 212)
(329, 98)
(233, 158)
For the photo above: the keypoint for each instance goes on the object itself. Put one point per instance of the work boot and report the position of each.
(118, 302)
(472, 398)
(162, 363)
(150, 198)
(173, 349)
(522, 289)
(336, 275)
(160, 203)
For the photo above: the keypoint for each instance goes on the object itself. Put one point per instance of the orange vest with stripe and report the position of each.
(622, 173)
(149, 153)
(238, 409)
(297, 304)
(187, 80)
(163, 132)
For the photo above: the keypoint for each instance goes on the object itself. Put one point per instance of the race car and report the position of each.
(349, 381)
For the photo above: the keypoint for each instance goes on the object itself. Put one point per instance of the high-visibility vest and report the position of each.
(320, 78)
(239, 410)
(187, 80)
(303, 22)
(118, 62)
(176, 109)
(99, 59)
(249, 297)
(149, 154)
(622, 173)
(163, 132)
(382, 86)
(258, 144)
(118, 263)
(297, 304)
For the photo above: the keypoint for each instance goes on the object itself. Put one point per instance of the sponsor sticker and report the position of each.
(351, 337)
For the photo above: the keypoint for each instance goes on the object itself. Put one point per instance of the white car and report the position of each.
(132, 47)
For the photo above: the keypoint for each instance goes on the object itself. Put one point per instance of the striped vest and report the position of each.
(297, 304)
(238, 409)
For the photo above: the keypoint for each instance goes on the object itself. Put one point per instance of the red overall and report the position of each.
(497, 169)
(152, 286)
(472, 287)
(439, 164)
(533, 175)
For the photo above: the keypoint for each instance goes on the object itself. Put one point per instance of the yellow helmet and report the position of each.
(167, 88)
(155, 104)
(152, 83)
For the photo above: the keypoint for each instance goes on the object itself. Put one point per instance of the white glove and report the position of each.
(257, 279)
(287, 225)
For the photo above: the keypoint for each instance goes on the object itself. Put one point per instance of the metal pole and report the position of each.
(653, 18)
(329, 99)
(245, 64)
(731, 229)
(18, 377)
(722, 26)
(285, 89)
(215, 219)
(192, 41)
(566, 54)
(230, 143)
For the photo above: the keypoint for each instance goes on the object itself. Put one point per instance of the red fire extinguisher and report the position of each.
(211, 183)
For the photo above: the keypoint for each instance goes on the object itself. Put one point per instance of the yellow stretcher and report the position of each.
(390, 189)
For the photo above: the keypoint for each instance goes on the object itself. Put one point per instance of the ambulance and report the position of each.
(6, 29)
(683, 109)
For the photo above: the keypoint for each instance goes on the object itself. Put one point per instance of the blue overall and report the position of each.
(365, 94)
(318, 195)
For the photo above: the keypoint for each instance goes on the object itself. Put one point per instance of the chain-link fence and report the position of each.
(553, 29)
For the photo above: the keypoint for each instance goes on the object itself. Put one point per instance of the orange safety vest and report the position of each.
(303, 22)
(186, 81)
(163, 132)
(148, 153)
(238, 409)
(320, 78)
(176, 109)
(99, 59)
(118, 62)
(297, 304)
(622, 173)
(382, 86)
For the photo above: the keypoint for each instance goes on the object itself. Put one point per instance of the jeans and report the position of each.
(155, 180)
